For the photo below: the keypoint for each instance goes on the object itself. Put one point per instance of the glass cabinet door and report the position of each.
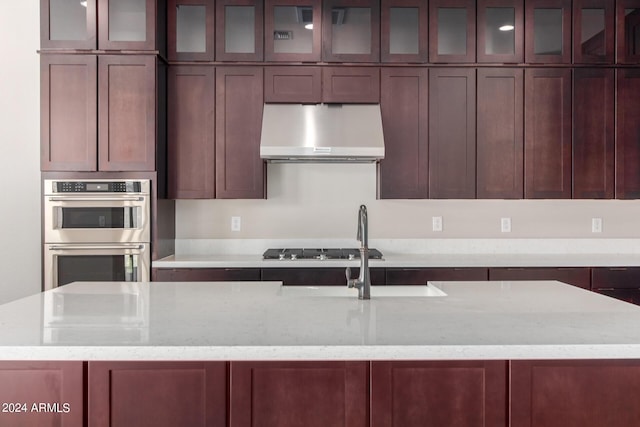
(452, 31)
(593, 31)
(548, 31)
(628, 25)
(351, 31)
(190, 29)
(293, 30)
(404, 31)
(500, 31)
(68, 24)
(127, 24)
(239, 30)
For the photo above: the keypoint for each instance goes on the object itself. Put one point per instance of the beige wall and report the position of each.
(19, 150)
(321, 201)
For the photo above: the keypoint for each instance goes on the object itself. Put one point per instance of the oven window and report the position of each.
(98, 217)
(91, 268)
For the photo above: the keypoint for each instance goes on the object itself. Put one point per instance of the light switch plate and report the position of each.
(236, 223)
(505, 225)
(436, 222)
(596, 225)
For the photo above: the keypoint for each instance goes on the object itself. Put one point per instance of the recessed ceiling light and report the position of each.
(506, 28)
(309, 26)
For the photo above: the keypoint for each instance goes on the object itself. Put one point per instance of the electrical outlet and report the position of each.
(596, 225)
(236, 223)
(436, 222)
(505, 225)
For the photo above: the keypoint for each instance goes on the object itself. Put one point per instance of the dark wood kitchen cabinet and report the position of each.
(68, 113)
(576, 276)
(157, 394)
(452, 31)
(439, 393)
(190, 30)
(127, 107)
(351, 30)
(239, 30)
(317, 276)
(240, 172)
(593, 133)
(344, 85)
(191, 132)
(500, 133)
(452, 133)
(205, 274)
(294, 84)
(618, 282)
(404, 31)
(548, 31)
(404, 104)
(100, 113)
(593, 31)
(496, 42)
(628, 31)
(293, 30)
(119, 25)
(420, 276)
(292, 394)
(627, 131)
(547, 138)
(59, 385)
(561, 393)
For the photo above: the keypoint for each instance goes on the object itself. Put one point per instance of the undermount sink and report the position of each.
(376, 291)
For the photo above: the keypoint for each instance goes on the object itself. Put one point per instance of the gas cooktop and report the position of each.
(321, 254)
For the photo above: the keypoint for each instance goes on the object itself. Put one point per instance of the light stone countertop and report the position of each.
(264, 321)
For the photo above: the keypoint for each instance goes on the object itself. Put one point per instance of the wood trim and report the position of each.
(609, 32)
(385, 32)
(518, 32)
(470, 56)
(269, 27)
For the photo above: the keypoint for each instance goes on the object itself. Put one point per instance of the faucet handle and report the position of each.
(347, 273)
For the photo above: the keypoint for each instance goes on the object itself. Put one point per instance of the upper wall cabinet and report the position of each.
(351, 31)
(628, 25)
(452, 31)
(404, 28)
(293, 30)
(548, 31)
(121, 24)
(239, 30)
(500, 31)
(593, 31)
(190, 30)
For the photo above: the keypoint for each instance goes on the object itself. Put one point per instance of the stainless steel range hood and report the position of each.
(322, 133)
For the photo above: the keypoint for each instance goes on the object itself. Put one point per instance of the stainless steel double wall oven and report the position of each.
(96, 230)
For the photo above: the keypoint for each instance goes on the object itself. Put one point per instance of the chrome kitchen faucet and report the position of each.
(363, 282)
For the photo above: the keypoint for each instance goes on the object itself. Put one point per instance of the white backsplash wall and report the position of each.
(321, 201)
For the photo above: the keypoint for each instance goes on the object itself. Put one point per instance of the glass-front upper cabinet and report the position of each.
(452, 31)
(239, 30)
(293, 30)
(404, 31)
(131, 24)
(68, 24)
(351, 31)
(190, 30)
(500, 31)
(548, 31)
(593, 31)
(628, 25)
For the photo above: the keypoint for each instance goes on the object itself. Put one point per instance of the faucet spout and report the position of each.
(363, 282)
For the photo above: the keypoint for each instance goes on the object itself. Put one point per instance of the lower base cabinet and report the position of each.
(157, 394)
(42, 394)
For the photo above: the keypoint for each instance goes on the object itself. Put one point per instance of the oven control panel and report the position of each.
(98, 187)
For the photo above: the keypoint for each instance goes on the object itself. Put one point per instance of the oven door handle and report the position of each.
(93, 247)
(96, 199)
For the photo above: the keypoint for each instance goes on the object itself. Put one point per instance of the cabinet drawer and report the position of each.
(204, 274)
(317, 276)
(576, 276)
(615, 278)
(420, 276)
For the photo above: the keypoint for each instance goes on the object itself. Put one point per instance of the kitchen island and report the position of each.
(462, 353)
